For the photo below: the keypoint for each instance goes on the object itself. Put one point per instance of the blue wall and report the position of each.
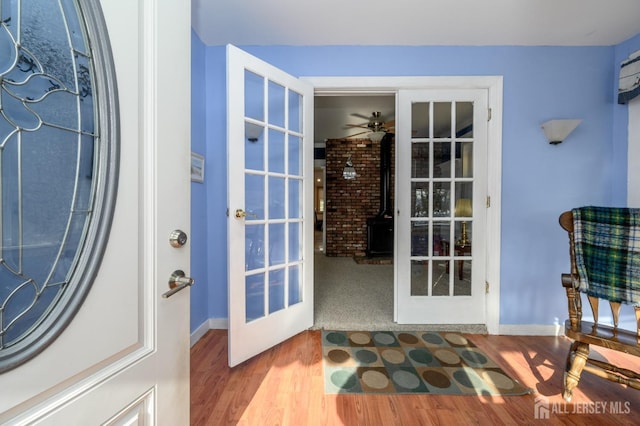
(539, 180)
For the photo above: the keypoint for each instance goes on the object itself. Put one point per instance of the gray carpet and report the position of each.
(349, 296)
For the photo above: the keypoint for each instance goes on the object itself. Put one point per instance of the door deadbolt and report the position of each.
(177, 238)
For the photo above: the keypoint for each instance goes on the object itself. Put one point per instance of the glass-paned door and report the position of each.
(270, 284)
(441, 194)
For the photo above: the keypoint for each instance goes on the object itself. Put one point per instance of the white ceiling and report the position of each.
(409, 22)
(416, 22)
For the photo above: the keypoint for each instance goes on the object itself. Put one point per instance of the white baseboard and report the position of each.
(210, 324)
(531, 330)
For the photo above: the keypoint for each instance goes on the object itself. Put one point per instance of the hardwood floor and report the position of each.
(284, 386)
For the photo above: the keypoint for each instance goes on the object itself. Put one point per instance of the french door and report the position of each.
(441, 213)
(270, 187)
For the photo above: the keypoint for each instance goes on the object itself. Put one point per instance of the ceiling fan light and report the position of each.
(376, 136)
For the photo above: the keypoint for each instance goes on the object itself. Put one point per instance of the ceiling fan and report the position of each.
(375, 124)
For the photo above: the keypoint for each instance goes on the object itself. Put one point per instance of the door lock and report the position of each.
(177, 238)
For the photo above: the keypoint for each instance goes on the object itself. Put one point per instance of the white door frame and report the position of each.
(493, 84)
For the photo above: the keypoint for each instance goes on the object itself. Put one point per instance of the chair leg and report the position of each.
(576, 359)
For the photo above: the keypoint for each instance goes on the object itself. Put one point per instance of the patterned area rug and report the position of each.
(384, 362)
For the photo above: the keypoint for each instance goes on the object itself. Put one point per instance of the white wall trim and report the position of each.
(531, 330)
(494, 85)
(210, 324)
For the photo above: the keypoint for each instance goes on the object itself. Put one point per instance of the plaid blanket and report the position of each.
(607, 245)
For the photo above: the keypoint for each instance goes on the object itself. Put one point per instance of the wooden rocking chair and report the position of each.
(585, 333)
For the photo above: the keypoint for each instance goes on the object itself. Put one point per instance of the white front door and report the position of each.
(124, 358)
(270, 187)
(441, 213)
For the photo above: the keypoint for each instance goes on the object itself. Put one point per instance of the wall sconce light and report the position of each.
(349, 172)
(557, 130)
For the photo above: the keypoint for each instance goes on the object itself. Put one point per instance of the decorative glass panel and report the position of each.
(58, 166)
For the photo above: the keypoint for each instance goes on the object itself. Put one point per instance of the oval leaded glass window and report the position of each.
(58, 166)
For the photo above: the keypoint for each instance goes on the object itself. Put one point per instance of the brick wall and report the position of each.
(350, 202)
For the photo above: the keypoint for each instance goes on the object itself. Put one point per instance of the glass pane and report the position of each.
(441, 238)
(420, 120)
(276, 244)
(419, 199)
(276, 198)
(441, 199)
(276, 104)
(462, 278)
(295, 111)
(276, 290)
(254, 196)
(253, 96)
(254, 247)
(295, 200)
(295, 241)
(295, 156)
(463, 237)
(442, 160)
(420, 160)
(464, 159)
(254, 147)
(464, 199)
(442, 119)
(420, 238)
(276, 151)
(464, 119)
(440, 278)
(419, 277)
(295, 285)
(254, 300)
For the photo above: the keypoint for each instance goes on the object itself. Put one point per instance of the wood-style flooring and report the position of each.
(284, 386)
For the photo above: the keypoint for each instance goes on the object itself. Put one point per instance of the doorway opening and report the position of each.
(354, 271)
